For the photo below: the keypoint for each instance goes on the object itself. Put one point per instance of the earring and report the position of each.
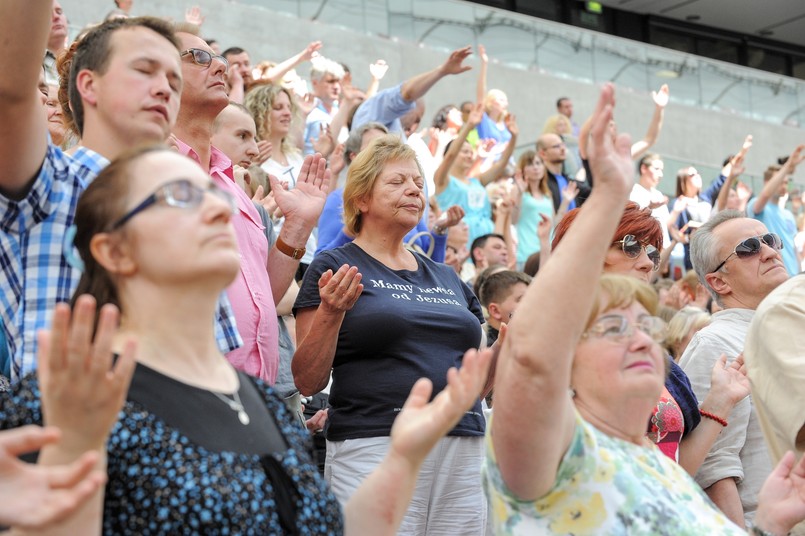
(572, 392)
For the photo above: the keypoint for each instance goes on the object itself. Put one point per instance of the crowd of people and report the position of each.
(238, 299)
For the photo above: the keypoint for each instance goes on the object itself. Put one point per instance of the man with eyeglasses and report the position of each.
(123, 90)
(766, 207)
(740, 263)
(552, 151)
(253, 294)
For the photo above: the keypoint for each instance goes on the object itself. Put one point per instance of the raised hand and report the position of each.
(544, 227)
(511, 123)
(193, 15)
(378, 69)
(337, 162)
(82, 393)
(303, 204)
(797, 156)
(781, 501)
(482, 54)
(268, 202)
(339, 291)
(570, 191)
(420, 425)
(264, 147)
(35, 496)
(450, 217)
(662, 96)
(306, 104)
(729, 382)
(311, 51)
(455, 63)
(476, 114)
(324, 144)
(609, 153)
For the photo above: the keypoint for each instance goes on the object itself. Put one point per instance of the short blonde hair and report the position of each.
(618, 291)
(364, 171)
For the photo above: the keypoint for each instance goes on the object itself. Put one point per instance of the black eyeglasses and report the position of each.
(180, 193)
(632, 248)
(204, 58)
(751, 247)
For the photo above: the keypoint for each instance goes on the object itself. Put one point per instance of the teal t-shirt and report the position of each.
(780, 221)
(530, 210)
(473, 199)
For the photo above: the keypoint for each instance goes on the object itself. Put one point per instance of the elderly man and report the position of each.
(739, 262)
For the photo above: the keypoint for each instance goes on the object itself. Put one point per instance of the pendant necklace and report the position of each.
(235, 405)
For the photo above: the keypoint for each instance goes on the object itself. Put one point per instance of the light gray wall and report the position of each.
(691, 135)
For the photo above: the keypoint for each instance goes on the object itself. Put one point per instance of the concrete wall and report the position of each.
(691, 135)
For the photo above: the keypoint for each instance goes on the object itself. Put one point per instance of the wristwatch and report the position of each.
(294, 253)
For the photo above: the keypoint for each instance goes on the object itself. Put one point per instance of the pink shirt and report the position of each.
(250, 293)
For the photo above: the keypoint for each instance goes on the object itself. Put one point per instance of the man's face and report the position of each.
(752, 278)
(137, 98)
(235, 136)
(243, 64)
(205, 85)
(654, 171)
(566, 108)
(553, 149)
(327, 88)
(58, 24)
(494, 252)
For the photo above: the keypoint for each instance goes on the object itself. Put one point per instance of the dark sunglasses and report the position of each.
(632, 248)
(751, 247)
(204, 58)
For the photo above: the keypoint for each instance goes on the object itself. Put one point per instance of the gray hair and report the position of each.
(704, 248)
(353, 143)
(322, 66)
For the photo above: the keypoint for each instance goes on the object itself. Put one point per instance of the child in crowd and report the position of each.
(500, 295)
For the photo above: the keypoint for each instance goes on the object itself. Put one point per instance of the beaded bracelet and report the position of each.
(713, 417)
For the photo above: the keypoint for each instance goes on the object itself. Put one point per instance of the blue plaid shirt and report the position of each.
(32, 255)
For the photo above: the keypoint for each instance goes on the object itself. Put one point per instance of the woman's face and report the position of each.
(617, 262)
(609, 367)
(466, 156)
(200, 239)
(454, 119)
(398, 195)
(534, 171)
(280, 115)
(498, 104)
(561, 128)
(694, 183)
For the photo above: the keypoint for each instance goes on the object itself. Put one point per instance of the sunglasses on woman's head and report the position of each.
(632, 247)
(751, 247)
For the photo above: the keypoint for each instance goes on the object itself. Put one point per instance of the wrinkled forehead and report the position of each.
(188, 40)
(732, 232)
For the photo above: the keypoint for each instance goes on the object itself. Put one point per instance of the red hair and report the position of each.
(635, 221)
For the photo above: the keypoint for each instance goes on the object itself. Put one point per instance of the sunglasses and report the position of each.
(204, 58)
(632, 248)
(751, 247)
(180, 193)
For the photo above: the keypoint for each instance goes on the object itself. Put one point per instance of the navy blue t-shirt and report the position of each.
(405, 325)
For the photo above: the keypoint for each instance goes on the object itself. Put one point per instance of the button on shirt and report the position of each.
(250, 294)
(35, 269)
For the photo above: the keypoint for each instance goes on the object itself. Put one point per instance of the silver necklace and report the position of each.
(235, 405)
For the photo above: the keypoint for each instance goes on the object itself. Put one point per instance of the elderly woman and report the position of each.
(201, 447)
(594, 369)
(381, 316)
(675, 425)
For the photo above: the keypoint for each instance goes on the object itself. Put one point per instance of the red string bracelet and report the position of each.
(713, 417)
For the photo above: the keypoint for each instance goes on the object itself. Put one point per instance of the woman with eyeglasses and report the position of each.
(676, 425)
(581, 463)
(200, 447)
